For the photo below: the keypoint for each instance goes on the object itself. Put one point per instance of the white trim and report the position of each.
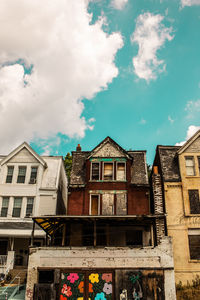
(18, 149)
(108, 162)
(95, 162)
(90, 208)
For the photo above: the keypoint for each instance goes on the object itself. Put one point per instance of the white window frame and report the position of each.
(121, 162)
(192, 159)
(26, 216)
(90, 208)
(108, 162)
(95, 162)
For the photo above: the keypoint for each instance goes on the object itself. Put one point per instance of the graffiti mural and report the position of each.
(72, 286)
(101, 288)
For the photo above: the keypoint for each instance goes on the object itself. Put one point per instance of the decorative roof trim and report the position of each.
(106, 140)
(189, 142)
(18, 149)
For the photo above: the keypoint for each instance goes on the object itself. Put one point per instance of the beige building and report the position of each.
(30, 185)
(179, 168)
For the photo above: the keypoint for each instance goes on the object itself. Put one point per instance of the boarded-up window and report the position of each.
(121, 205)
(189, 164)
(108, 171)
(108, 204)
(94, 208)
(194, 201)
(121, 171)
(95, 171)
(194, 243)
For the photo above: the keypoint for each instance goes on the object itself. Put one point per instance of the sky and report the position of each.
(77, 71)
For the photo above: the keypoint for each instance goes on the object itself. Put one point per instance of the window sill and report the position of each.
(192, 215)
(194, 260)
(107, 181)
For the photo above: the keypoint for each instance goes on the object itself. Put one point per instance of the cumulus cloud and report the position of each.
(150, 35)
(118, 4)
(189, 2)
(190, 132)
(72, 59)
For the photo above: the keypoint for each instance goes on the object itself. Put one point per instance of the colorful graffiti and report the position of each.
(99, 286)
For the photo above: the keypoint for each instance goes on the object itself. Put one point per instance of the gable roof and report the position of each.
(189, 142)
(138, 164)
(111, 141)
(167, 160)
(18, 149)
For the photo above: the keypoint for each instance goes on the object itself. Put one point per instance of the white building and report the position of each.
(30, 185)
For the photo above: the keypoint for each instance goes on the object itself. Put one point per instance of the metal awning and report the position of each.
(50, 224)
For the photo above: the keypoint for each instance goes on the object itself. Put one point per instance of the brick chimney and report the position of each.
(78, 148)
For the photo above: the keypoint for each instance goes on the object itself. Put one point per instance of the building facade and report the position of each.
(30, 185)
(179, 168)
(112, 243)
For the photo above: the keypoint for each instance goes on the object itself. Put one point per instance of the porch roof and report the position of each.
(52, 223)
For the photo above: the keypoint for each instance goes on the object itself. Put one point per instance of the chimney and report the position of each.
(78, 148)
(155, 170)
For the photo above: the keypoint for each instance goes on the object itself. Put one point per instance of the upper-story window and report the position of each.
(21, 174)
(108, 173)
(95, 171)
(29, 206)
(199, 163)
(194, 201)
(189, 164)
(9, 176)
(17, 207)
(4, 207)
(33, 176)
(121, 171)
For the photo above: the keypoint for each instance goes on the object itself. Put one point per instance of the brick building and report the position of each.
(112, 242)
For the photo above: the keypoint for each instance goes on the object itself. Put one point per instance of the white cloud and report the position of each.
(170, 119)
(142, 122)
(150, 35)
(190, 132)
(72, 59)
(193, 109)
(189, 2)
(119, 4)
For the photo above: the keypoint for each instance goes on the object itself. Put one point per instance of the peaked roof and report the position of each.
(18, 149)
(189, 142)
(111, 141)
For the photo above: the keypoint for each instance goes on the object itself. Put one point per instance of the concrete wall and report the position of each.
(159, 257)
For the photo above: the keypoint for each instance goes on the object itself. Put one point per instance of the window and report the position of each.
(4, 208)
(17, 207)
(189, 164)
(9, 174)
(21, 175)
(199, 163)
(108, 204)
(194, 201)
(108, 171)
(121, 204)
(95, 173)
(29, 206)
(33, 175)
(94, 205)
(194, 243)
(134, 238)
(121, 175)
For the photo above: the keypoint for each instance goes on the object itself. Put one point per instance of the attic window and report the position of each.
(189, 164)
(108, 171)
(10, 174)
(95, 171)
(121, 175)
(21, 175)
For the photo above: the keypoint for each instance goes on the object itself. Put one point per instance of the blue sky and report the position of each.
(124, 68)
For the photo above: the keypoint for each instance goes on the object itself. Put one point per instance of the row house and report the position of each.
(179, 169)
(112, 242)
(30, 185)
